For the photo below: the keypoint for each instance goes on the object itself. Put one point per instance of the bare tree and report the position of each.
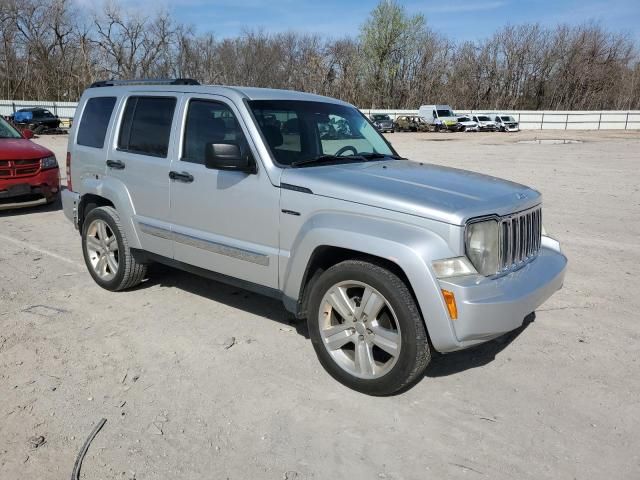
(53, 49)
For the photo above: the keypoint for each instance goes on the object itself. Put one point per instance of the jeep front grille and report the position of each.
(520, 238)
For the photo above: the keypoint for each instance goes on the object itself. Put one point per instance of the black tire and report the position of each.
(415, 353)
(130, 272)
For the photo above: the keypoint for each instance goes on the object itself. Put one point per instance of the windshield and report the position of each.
(7, 131)
(507, 119)
(482, 118)
(464, 119)
(445, 113)
(300, 130)
(381, 117)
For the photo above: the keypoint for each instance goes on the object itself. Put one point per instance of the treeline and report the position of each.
(53, 49)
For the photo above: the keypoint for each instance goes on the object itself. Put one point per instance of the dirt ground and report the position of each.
(556, 399)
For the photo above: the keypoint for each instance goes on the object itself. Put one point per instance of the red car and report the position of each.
(29, 173)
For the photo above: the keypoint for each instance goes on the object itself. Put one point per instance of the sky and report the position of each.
(461, 19)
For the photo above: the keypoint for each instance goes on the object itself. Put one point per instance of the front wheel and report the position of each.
(366, 328)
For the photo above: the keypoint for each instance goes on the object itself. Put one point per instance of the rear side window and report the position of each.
(95, 121)
(146, 125)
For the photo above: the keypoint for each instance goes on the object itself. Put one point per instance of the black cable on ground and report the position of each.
(75, 475)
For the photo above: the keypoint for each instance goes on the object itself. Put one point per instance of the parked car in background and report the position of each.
(485, 123)
(439, 117)
(383, 122)
(411, 123)
(29, 173)
(506, 123)
(36, 119)
(465, 124)
(386, 258)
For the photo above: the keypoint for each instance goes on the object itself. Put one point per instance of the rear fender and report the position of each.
(117, 193)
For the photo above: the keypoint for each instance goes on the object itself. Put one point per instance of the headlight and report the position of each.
(453, 267)
(483, 247)
(48, 162)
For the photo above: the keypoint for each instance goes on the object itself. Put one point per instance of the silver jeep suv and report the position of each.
(298, 196)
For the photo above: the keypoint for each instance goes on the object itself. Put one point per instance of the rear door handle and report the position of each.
(115, 164)
(185, 177)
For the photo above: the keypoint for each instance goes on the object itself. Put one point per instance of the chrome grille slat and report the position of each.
(517, 244)
(520, 238)
(527, 237)
(510, 242)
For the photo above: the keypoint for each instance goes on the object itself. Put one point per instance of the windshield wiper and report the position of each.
(374, 155)
(359, 157)
(325, 159)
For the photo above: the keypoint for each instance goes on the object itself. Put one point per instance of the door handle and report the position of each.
(115, 164)
(185, 177)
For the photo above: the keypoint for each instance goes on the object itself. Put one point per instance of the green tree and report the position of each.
(390, 40)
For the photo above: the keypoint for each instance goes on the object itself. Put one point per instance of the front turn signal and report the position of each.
(450, 301)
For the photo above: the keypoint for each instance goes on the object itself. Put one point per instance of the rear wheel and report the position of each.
(366, 328)
(107, 253)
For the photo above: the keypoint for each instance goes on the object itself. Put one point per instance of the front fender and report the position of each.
(410, 247)
(116, 192)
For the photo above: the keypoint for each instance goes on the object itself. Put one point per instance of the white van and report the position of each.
(485, 122)
(440, 117)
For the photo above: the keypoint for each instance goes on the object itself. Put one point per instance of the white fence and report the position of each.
(62, 109)
(554, 119)
(528, 119)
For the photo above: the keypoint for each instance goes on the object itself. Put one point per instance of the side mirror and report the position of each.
(26, 133)
(227, 156)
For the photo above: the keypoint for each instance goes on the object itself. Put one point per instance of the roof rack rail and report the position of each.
(156, 81)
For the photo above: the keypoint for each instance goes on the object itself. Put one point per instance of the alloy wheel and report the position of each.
(102, 249)
(359, 329)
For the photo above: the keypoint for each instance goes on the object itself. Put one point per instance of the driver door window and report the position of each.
(209, 122)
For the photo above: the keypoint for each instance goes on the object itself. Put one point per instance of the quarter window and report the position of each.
(95, 121)
(146, 125)
(209, 122)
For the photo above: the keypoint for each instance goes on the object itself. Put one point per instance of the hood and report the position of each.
(430, 191)
(21, 149)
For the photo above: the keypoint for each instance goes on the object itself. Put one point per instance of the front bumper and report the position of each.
(30, 191)
(490, 307)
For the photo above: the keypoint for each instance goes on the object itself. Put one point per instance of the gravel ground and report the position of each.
(200, 380)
